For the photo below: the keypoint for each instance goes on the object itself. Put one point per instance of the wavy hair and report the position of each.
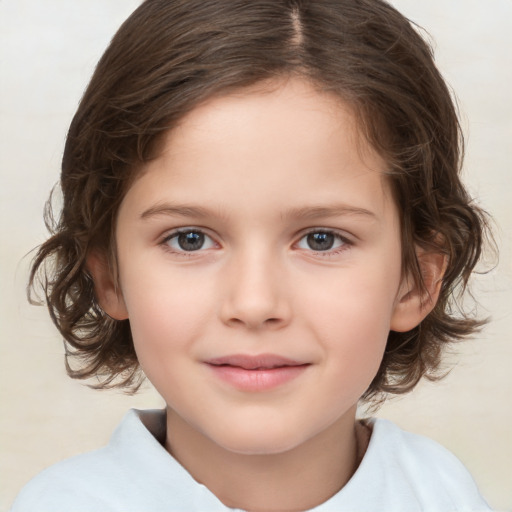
(169, 56)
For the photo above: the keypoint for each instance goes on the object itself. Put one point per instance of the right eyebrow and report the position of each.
(176, 210)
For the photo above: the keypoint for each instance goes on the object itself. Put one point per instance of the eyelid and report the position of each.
(334, 231)
(346, 240)
(185, 229)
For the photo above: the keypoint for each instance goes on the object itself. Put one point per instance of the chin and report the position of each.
(260, 440)
(259, 446)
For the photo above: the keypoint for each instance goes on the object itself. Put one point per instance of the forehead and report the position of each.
(289, 112)
(283, 141)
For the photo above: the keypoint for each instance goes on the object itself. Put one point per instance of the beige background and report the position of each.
(47, 52)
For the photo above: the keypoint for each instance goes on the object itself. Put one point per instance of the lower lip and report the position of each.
(257, 380)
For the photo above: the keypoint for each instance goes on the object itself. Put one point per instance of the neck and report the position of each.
(298, 479)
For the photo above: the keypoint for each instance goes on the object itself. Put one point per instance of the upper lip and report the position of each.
(254, 362)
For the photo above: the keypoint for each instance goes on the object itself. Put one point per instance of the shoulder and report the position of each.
(94, 480)
(68, 483)
(418, 453)
(133, 473)
(424, 470)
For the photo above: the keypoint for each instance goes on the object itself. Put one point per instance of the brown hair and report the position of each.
(172, 54)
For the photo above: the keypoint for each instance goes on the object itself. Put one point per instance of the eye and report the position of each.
(322, 241)
(188, 240)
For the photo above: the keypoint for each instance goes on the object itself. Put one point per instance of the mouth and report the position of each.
(259, 362)
(256, 373)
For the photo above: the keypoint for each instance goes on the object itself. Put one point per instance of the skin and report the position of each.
(256, 172)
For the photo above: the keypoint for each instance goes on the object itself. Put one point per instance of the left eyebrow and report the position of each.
(322, 212)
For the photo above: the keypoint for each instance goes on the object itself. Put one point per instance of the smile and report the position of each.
(256, 373)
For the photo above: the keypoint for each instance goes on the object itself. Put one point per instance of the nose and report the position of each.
(255, 294)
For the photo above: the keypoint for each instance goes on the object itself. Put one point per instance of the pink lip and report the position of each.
(256, 373)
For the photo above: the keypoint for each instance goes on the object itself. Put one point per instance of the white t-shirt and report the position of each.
(400, 472)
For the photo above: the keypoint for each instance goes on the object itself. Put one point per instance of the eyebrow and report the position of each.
(338, 210)
(301, 213)
(176, 211)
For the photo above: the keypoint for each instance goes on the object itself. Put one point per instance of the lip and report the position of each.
(256, 373)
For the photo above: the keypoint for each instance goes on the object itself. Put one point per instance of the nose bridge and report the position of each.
(255, 292)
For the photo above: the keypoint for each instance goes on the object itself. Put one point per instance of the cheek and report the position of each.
(166, 316)
(354, 301)
(354, 342)
(352, 320)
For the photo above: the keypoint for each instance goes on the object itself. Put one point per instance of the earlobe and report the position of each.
(108, 294)
(413, 304)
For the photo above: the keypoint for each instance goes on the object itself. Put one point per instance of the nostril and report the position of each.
(273, 322)
(254, 310)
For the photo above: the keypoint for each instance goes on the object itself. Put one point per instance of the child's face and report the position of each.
(289, 248)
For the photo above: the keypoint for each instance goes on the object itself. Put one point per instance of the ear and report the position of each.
(108, 294)
(414, 304)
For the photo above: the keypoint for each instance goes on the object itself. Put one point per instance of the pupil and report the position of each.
(190, 241)
(320, 241)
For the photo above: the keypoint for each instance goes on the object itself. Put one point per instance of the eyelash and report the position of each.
(182, 231)
(345, 242)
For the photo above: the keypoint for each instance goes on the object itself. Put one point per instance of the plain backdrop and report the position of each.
(48, 50)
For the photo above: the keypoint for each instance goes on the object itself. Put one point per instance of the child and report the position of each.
(263, 214)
